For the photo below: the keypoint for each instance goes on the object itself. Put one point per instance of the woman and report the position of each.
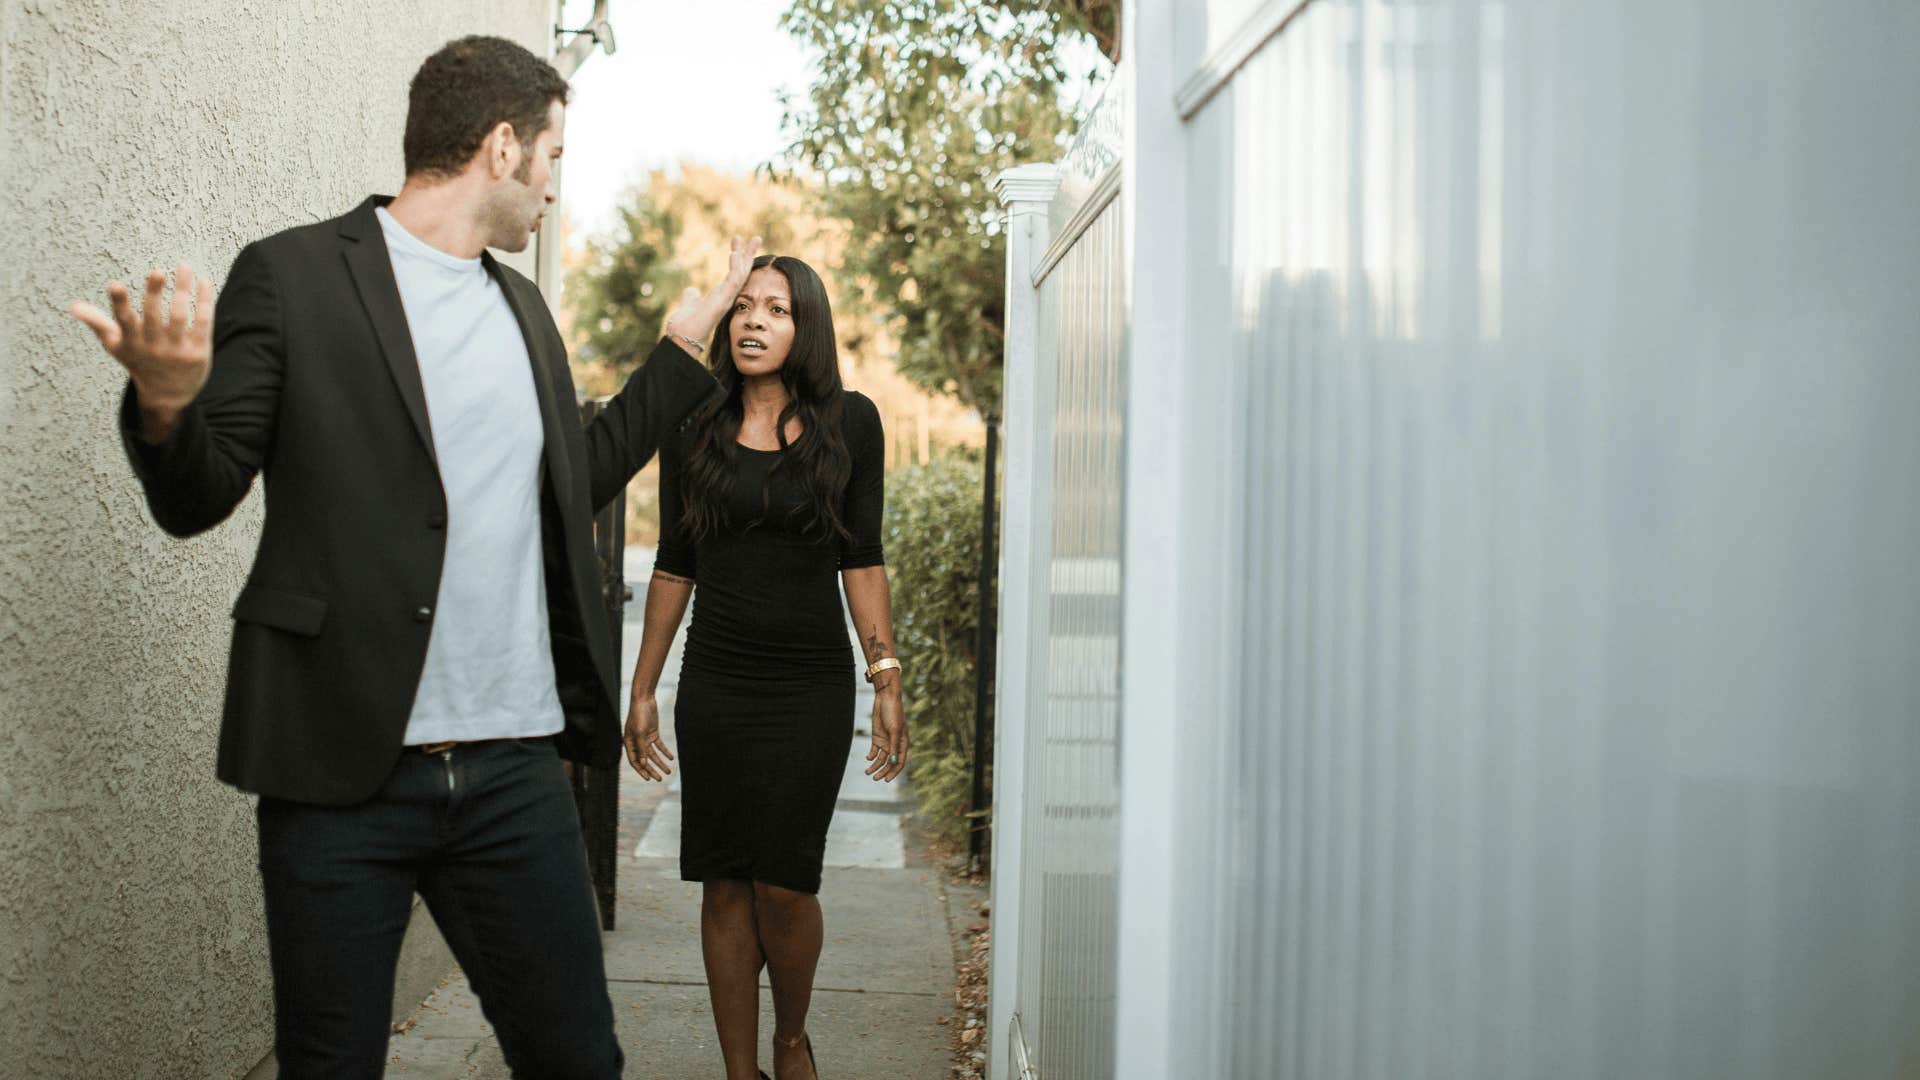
(764, 497)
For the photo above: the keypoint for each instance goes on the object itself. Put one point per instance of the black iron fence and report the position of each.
(980, 817)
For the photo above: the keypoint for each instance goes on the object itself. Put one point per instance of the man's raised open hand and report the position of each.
(166, 349)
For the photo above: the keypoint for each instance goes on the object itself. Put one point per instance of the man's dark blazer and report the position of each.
(315, 384)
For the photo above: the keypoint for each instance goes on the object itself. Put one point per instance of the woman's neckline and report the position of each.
(755, 449)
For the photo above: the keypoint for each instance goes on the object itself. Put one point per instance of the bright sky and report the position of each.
(688, 82)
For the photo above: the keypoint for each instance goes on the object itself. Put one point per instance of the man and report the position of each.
(421, 638)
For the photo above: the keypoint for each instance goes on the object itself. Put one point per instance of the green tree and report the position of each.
(917, 106)
(625, 290)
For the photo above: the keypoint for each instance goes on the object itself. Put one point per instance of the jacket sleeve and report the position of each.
(622, 439)
(197, 476)
(677, 553)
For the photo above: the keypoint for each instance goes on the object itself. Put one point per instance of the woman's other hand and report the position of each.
(887, 753)
(646, 752)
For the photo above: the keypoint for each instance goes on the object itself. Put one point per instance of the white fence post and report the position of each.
(1027, 409)
(1158, 521)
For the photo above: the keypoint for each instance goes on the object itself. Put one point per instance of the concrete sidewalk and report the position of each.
(886, 976)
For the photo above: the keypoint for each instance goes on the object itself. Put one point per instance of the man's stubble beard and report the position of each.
(507, 220)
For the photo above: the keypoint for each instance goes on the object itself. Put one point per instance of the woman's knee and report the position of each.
(779, 900)
(727, 895)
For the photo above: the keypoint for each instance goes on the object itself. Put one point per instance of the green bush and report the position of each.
(932, 532)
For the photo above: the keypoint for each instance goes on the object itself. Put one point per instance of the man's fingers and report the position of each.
(203, 311)
(100, 323)
(120, 300)
(152, 315)
(182, 299)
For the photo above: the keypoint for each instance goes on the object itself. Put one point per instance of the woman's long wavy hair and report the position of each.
(819, 458)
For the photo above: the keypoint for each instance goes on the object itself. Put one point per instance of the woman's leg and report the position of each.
(730, 946)
(790, 933)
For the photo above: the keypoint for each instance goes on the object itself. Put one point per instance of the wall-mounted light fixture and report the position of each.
(598, 31)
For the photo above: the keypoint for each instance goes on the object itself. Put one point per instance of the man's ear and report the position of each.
(503, 150)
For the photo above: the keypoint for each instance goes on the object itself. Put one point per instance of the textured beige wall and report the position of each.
(131, 939)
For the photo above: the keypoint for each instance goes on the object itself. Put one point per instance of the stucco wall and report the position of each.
(131, 936)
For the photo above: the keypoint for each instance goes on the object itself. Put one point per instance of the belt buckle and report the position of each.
(437, 747)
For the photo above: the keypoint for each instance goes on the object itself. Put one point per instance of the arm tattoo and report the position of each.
(662, 575)
(875, 649)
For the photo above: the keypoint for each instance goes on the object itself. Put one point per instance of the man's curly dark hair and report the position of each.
(466, 88)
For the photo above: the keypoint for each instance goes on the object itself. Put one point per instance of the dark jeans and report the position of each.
(487, 834)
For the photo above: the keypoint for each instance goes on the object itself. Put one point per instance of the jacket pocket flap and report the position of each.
(287, 611)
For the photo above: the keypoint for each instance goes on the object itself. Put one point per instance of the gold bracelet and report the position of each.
(885, 663)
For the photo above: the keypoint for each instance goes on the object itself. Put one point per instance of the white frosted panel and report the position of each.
(1573, 354)
(1071, 814)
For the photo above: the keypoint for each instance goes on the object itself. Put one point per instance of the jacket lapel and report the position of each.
(372, 272)
(544, 364)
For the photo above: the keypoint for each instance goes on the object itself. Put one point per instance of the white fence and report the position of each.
(1060, 669)
(1509, 553)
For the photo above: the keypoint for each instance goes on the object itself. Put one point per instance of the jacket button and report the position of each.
(423, 614)
(436, 520)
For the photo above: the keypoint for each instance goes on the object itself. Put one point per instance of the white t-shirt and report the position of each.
(489, 672)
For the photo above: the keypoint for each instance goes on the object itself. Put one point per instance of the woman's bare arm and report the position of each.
(870, 600)
(666, 604)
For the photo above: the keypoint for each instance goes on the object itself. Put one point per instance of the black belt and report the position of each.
(443, 747)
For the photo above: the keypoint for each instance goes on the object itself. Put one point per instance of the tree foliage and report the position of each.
(628, 286)
(916, 106)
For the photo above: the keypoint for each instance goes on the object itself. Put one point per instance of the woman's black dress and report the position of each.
(764, 715)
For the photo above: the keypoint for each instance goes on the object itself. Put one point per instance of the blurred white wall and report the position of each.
(1516, 672)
